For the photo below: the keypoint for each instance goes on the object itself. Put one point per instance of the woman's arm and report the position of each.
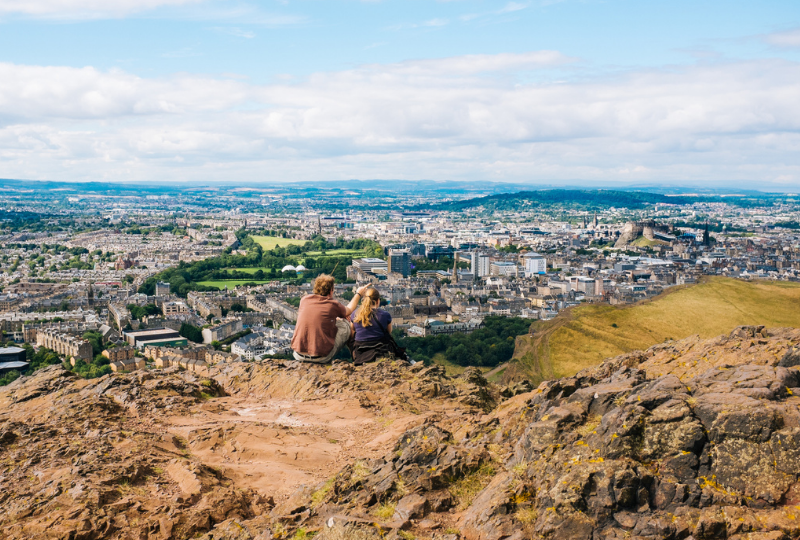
(389, 328)
(349, 308)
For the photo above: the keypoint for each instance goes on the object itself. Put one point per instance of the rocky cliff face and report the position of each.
(689, 439)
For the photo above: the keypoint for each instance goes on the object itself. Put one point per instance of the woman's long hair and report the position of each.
(364, 315)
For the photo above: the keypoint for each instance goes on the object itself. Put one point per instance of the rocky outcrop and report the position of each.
(84, 460)
(90, 459)
(689, 439)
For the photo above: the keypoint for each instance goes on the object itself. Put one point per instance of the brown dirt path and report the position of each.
(275, 445)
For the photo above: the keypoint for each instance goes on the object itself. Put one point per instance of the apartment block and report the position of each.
(65, 344)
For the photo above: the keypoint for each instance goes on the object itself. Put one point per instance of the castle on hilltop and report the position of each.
(649, 229)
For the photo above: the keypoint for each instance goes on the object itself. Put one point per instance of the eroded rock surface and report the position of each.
(691, 439)
(168, 455)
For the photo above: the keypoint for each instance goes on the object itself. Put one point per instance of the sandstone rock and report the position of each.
(690, 439)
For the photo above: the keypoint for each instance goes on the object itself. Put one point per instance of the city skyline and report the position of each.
(583, 93)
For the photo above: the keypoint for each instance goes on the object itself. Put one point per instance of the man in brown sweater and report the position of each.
(322, 328)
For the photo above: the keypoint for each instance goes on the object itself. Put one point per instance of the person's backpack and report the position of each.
(398, 351)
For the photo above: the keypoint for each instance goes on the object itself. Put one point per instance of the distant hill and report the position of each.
(586, 335)
(594, 199)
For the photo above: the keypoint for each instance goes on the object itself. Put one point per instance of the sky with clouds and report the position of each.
(555, 92)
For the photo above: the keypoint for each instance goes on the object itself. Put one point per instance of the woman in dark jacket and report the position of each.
(372, 326)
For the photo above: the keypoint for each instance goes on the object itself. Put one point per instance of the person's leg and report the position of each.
(342, 336)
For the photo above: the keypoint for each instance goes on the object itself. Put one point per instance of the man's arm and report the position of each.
(351, 307)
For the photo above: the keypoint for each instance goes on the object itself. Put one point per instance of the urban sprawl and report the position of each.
(87, 276)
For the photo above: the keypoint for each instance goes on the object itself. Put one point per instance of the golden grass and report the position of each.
(385, 512)
(467, 488)
(586, 336)
(347, 532)
(592, 421)
(319, 496)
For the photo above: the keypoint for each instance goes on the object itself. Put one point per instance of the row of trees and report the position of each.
(139, 312)
(442, 263)
(489, 346)
(191, 332)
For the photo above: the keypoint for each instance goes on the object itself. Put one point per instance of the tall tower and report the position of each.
(455, 269)
(706, 236)
(90, 294)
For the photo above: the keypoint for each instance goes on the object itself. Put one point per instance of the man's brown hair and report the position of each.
(323, 285)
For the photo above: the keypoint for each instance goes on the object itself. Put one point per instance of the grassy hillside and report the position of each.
(586, 335)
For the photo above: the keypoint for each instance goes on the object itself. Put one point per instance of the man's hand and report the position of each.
(361, 290)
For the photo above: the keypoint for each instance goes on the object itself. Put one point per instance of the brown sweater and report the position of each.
(315, 332)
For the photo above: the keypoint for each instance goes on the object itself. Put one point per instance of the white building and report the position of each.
(172, 308)
(534, 264)
(370, 264)
(481, 265)
(503, 268)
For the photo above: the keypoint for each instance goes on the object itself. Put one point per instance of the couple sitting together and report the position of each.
(324, 325)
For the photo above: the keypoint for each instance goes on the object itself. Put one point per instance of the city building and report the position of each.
(534, 264)
(119, 354)
(153, 337)
(12, 354)
(481, 265)
(8, 302)
(64, 344)
(173, 308)
(127, 365)
(370, 265)
(162, 289)
(399, 261)
(222, 330)
(119, 315)
(433, 328)
(503, 268)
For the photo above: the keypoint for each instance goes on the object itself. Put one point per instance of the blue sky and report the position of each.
(604, 93)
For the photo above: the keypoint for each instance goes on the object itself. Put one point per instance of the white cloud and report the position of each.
(216, 11)
(85, 9)
(512, 6)
(435, 22)
(418, 119)
(476, 63)
(790, 38)
(234, 31)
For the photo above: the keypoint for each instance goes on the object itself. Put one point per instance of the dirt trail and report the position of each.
(275, 445)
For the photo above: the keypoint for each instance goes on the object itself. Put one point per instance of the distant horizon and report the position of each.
(520, 91)
(385, 185)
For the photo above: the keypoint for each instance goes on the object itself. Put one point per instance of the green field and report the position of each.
(246, 270)
(644, 242)
(586, 335)
(270, 242)
(231, 283)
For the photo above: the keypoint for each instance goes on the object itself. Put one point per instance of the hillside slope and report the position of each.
(586, 335)
(692, 439)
